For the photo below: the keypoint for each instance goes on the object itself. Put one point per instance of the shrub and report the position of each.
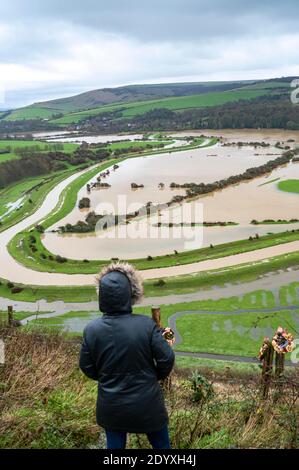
(60, 259)
(84, 203)
(160, 283)
(16, 290)
(39, 228)
(202, 388)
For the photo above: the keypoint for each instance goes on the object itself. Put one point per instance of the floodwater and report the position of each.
(96, 139)
(239, 204)
(199, 165)
(11, 206)
(270, 136)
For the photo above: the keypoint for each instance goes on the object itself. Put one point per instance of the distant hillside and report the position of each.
(121, 95)
(131, 93)
(66, 110)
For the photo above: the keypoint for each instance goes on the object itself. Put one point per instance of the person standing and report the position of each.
(128, 356)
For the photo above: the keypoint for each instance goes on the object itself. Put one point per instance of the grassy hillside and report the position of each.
(31, 112)
(174, 104)
(47, 403)
(128, 97)
(131, 93)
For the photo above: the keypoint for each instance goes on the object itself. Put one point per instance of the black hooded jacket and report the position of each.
(127, 354)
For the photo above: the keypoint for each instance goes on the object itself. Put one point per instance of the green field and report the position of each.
(6, 157)
(14, 145)
(33, 192)
(195, 101)
(174, 104)
(49, 293)
(216, 333)
(290, 186)
(208, 333)
(212, 332)
(138, 143)
(67, 147)
(14, 192)
(137, 99)
(31, 112)
(203, 364)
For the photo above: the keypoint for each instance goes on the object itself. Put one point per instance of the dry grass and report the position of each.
(46, 402)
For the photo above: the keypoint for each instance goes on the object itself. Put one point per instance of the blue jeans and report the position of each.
(158, 439)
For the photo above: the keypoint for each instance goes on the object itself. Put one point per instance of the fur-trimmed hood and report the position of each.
(120, 287)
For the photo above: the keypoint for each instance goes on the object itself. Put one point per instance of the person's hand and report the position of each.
(168, 335)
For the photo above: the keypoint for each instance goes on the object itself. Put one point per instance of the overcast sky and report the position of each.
(56, 48)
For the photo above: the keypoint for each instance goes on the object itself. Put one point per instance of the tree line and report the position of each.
(274, 111)
(41, 163)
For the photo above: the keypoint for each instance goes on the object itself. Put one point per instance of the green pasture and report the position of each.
(31, 112)
(289, 186)
(174, 104)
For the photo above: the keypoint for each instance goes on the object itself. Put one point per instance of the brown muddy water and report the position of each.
(240, 203)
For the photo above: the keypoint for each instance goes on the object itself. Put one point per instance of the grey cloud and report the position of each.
(162, 19)
(200, 30)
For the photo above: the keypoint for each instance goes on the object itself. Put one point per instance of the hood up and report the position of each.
(120, 287)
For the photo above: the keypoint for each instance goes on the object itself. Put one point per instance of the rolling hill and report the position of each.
(138, 99)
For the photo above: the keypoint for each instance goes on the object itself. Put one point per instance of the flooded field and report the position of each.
(94, 139)
(270, 136)
(258, 199)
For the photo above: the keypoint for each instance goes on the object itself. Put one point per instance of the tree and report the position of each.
(84, 203)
